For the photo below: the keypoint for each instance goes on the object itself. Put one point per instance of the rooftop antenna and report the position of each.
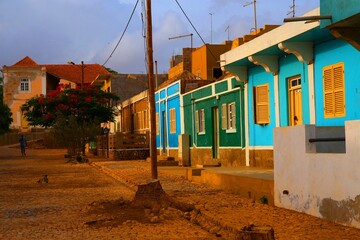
(228, 30)
(186, 35)
(211, 27)
(249, 3)
(292, 9)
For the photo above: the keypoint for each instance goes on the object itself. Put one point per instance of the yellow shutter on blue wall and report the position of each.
(334, 90)
(262, 104)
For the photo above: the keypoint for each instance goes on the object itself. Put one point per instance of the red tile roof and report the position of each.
(73, 72)
(67, 71)
(25, 62)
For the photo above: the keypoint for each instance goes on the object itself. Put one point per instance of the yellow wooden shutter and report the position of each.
(328, 92)
(224, 116)
(339, 93)
(157, 123)
(197, 121)
(262, 104)
(334, 90)
(172, 120)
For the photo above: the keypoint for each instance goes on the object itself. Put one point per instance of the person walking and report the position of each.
(22, 142)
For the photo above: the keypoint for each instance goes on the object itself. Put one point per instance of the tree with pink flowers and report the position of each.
(74, 115)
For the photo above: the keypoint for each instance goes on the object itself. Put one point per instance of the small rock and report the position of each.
(154, 219)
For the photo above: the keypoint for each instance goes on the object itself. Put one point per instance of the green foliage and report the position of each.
(74, 114)
(5, 118)
(87, 105)
(74, 135)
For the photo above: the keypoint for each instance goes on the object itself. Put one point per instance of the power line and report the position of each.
(122, 35)
(195, 29)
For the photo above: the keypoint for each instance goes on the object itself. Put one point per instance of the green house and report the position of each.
(214, 120)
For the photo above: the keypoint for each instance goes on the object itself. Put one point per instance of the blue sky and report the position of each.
(56, 31)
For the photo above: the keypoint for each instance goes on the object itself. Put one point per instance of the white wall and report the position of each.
(325, 185)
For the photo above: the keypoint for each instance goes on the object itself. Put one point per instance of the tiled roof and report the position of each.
(73, 72)
(25, 62)
(66, 71)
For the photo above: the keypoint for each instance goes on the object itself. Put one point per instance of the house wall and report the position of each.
(14, 98)
(231, 142)
(166, 99)
(329, 53)
(335, 193)
(338, 9)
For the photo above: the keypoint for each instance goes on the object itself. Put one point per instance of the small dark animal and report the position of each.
(44, 179)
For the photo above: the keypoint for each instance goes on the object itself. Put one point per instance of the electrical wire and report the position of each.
(122, 35)
(195, 30)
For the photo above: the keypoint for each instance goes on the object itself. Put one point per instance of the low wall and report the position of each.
(248, 187)
(229, 157)
(324, 185)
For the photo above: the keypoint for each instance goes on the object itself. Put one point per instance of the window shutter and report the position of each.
(157, 123)
(172, 120)
(232, 117)
(224, 116)
(339, 96)
(197, 121)
(334, 90)
(328, 92)
(262, 104)
(202, 120)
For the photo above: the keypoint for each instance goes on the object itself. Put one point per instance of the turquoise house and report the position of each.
(302, 72)
(169, 124)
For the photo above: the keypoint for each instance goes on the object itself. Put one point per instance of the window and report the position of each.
(172, 120)
(200, 121)
(228, 116)
(334, 91)
(261, 104)
(24, 85)
(157, 123)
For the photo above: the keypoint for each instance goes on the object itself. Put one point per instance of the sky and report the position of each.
(58, 31)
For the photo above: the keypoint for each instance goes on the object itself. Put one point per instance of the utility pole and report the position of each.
(153, 152)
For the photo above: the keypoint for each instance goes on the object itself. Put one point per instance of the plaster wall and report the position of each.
(325, 185)
(14, 98)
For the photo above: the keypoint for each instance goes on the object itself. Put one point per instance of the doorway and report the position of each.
(164, 131)
(215, 147)
(295, 101)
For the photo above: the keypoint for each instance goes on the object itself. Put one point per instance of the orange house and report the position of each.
(26, 79)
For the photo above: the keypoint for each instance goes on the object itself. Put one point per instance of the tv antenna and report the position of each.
(182, 36)
(249, 3)
(292, 9)
(228, 30)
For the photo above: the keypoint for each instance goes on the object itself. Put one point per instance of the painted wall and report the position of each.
(338, 9)
(329, 53)
(260, 135)
(207, 98)
(14, 98)
(325, 185)
(166, 99)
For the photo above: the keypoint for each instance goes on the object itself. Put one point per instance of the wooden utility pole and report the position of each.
(153, 152)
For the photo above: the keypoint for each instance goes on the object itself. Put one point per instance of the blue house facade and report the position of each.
(296, 74)
(169, 116)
